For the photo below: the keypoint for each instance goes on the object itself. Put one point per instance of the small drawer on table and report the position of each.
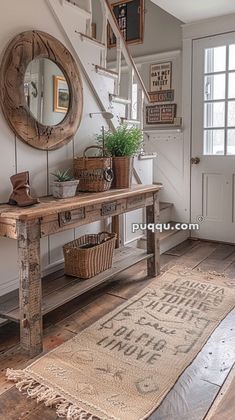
(113, 208)
(62, 221)
(141, 200)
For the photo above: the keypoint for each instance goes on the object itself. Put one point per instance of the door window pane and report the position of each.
(213, 142)
(215, 87)
(219, 100)
(231, 114)
(214, 114)
(215, 59)
(232, 57)
(231, 85)
(231, 142)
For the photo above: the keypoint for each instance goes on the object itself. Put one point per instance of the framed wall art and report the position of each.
(93, 30)
(61, 94)
(160, 76)
(130, 19)
(160, 114)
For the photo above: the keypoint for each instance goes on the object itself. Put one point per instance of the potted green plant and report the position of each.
(64, 185)
(123, 144)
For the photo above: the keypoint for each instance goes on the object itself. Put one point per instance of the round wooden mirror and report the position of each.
(40, 90)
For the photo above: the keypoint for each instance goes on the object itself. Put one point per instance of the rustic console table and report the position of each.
(27, 225)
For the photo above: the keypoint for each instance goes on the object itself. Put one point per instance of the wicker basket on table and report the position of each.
(94, 173)
(89, 255)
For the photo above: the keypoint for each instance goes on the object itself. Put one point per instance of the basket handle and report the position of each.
(106, 236)
(96, 147)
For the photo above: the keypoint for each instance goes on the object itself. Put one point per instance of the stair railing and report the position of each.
(122, 50)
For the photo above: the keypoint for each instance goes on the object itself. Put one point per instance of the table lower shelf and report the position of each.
(59, 289)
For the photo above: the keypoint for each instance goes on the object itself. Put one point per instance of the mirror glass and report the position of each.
(46, 91)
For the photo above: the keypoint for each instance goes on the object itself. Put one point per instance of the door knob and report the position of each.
(195, 160)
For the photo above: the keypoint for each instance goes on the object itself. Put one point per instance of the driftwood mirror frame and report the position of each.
(24, 48)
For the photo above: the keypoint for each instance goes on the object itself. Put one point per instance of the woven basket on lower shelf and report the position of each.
(89, 255)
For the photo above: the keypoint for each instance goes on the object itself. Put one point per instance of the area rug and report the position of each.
(122, 366)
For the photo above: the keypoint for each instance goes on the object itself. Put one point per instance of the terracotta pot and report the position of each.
(123, 169)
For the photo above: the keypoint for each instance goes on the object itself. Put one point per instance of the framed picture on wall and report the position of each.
(160, 114)
(130, 19)
(61, 94)
(93, 30)
(160, 76)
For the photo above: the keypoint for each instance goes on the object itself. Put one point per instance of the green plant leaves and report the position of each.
(62, 176)
(125, 141)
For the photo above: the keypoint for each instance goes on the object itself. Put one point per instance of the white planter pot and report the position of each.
(64, 189)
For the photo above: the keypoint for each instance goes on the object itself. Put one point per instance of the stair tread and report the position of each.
(127, 120)
(166, 233)
(91, 39)
(77, 8)
(103, 69)
(116, 98)
(165, 205)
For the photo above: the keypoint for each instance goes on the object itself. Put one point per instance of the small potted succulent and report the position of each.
(64, 185)
(123, 144)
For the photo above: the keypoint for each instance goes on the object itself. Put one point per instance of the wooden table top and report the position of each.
(50, 205)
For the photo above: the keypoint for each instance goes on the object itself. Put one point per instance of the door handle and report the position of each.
(195, 160)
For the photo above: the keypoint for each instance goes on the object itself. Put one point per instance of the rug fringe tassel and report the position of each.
(64, 409)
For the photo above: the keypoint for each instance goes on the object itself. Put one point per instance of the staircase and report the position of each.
(170, 237)
(75, 18)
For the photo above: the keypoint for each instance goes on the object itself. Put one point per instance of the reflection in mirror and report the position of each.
(46, 91)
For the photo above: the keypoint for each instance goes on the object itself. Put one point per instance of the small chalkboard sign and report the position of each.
(160, 114)
(130, 19)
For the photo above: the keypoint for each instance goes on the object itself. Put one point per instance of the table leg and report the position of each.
(116, 229)
(30, 293)
(153, 243)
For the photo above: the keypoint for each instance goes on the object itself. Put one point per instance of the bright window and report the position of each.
(219, 100)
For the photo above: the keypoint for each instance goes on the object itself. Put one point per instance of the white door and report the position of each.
(213, 138)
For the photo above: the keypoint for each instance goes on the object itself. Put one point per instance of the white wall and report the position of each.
(169, 166)
(16, 17)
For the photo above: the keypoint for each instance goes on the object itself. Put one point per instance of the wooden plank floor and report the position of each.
(198, 389)
(223, 407)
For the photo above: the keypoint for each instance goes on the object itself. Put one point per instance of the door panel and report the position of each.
(213, 187)
(213, 138)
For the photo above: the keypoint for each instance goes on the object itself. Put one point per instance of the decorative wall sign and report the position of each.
(160, 76)
(160, 114)
(162, 96)
(130, 18)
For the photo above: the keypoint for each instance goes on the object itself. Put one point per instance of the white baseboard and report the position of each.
(13, 284)
(51, 268)
(8, 286)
